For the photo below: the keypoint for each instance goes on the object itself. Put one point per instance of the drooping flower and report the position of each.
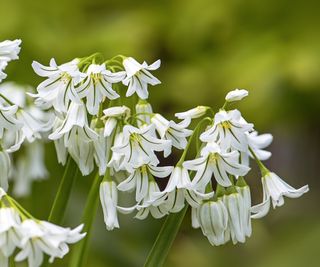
(109, 202)
(228, 131)
(274, 189)
(139, 76)
(144, 112)
(9, 50)
(97, 85)
(216, 162)
(139, 147)
(140, 177)
(176, 132)
(60, 86)
(213, 220)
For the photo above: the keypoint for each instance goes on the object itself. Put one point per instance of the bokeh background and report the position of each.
(207, 47)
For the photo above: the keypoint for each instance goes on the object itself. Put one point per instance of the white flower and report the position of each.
(9, 237)
(139, 147)
(116, 161)
(274, 189)
(59, 87)
(8, 120)
(5, 165)
(45, 238)
(214, 161)
(229, 131)
(109, 201)
(144, 109)
(140, 177)
(179, 189)
(97, 85)
(258, 142)
(157, 207)
(176, 132)
(213, 220)
(76, 118)
(102, 146)
(138, 77)
(112, 115)
(239, 214)
(9, 50)
(194, 113)
(236, 95)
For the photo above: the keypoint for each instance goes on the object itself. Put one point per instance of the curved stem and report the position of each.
(80, 249)
(62, 197)
(165, 238)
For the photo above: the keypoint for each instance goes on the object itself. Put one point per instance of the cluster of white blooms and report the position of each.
(21, 123)
(100, 121)
(97, 112)
(26, 238)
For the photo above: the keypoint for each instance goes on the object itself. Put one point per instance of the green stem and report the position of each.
(80, 249)
(61, 200)
(165, 238)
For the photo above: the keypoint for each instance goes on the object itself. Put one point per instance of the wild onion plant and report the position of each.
(97, 113)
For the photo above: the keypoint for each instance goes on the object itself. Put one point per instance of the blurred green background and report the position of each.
(207, 47)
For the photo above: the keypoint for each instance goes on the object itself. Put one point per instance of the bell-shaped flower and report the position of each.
(229, 131)
(60, 86)
(139, 179)
(97, 85)
(258, 142)
(76, 118)
(139, 147)
(179, 189)
(139, 76)
(9, 50)
(169, 130)
(39, 238)
(238, 205)
(9, 236)
(8, 119)
(213, 220)
(236, 95)
(112, 115)
(109, 201)
(274, 189)
(216, 162)
(156, 207)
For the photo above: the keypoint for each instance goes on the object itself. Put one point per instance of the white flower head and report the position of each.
(97, 85)
(139, 76)
(236, 95)
(213, 220)
(140, 177)
(169, 130)
(60, 86)
(109, 201)
(274, 189)
(229, 131)
(9, 50)
(216, 162)
(139, 147)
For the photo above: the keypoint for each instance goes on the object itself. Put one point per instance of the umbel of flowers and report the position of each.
(97, 112)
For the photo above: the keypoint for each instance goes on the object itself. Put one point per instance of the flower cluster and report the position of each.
(21, 122)
(103, 118)
(30, 239)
